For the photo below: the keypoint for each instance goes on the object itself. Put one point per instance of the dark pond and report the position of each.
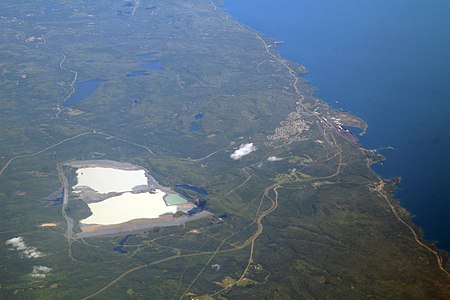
(147, 56)
(138, 73)
(119, 248)
(149, 62)
(55, 198)
(199, 208)
(155, 65)
(199, 191)
(195, 126)
(83, 90)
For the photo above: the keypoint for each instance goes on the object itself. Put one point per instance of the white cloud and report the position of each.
(243, 150)
(19, 244)
(32, 252)
(274, 158)
(40, 271)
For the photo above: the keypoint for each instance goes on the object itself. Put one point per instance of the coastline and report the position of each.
(363, 63)
(395, 205)
(304, 216)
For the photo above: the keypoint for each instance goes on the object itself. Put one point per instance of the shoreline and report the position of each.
(416, 231)
(394, 113)
(140, 225)
(152, 182)
(90, 197)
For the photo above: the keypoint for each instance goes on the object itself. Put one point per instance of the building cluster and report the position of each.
(289, 130)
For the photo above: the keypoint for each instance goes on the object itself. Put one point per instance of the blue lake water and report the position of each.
(83, 90)
(155, 65)
(388, 62)
(193, 188)
(138, 73)
(195, 126)
(199, 208)
(146, 56)
(149, 63)
(119, 247)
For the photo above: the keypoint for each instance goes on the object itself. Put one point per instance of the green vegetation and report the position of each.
(316, 224)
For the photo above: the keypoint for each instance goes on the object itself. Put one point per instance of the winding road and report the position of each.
(69, 220)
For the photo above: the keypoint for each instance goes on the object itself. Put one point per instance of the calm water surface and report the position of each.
(388, 62)
(83, 90)
(149, 63)
(138, 73)
(193, 188)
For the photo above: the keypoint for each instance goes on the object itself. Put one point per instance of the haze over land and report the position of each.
(287, 204)
(389, 63)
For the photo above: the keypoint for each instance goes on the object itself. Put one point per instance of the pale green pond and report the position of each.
(174, 199)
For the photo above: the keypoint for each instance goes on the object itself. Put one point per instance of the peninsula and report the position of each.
(202, 167)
